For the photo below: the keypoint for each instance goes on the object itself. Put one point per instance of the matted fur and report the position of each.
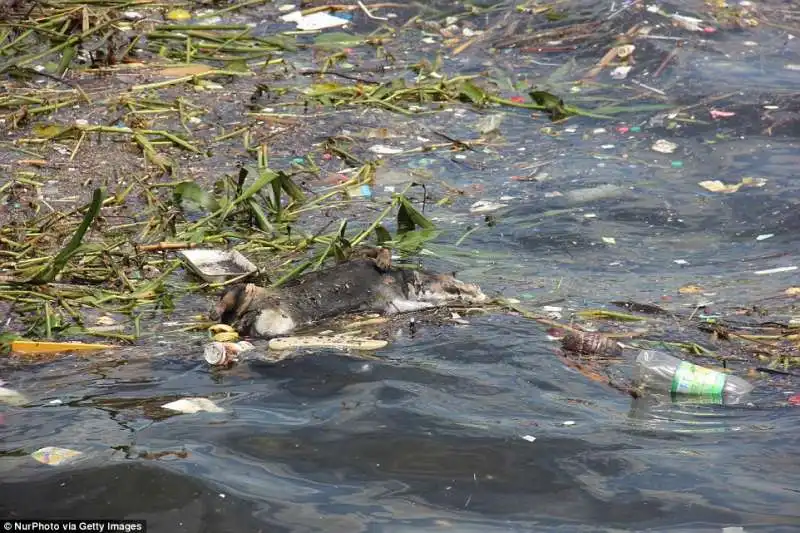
(357, 286)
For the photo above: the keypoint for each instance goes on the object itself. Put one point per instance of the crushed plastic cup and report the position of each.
(224, 353)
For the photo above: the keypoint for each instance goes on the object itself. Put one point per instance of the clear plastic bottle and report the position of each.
(660, 371)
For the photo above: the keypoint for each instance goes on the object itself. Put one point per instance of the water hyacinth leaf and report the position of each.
(281, 42)
(259, 216)
(412, 241)
(640, 108)
(562, 73)
(339, 251)
(151, 153)
(51, 131)
(274, 200)
(382, 235)
(408, 218)
(49, 272)
(190, 196)
(552, 104)
(191, 69)
(66, 58)
(5, 341)
(321, 89)
(265, 177)
(338, 39)
(237, 65)
(291, 188)
(404, 221)
(473, 93)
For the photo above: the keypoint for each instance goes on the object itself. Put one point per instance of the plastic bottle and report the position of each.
(225, 353)
(660, 371)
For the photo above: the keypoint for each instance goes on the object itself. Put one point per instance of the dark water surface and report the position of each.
(435, 434)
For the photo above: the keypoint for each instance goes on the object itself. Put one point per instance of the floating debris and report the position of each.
(689, 23)
(624, 50)
(485, 206)
(29, 347)
(489, 123)
(339, 342)
(662, 372)
(385, 150)
(315, 21)
(224, 353)
(218, 265)
(718, 113)
(178, 15)
(620, 73)
(777, 270)
(590, 344)
(193, 405)
(665, 147)
(727, 188)
(11, 397)
(54, 456)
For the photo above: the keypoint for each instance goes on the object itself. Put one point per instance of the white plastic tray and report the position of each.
(217, 265)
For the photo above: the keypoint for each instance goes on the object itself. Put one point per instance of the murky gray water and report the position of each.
(436, 434)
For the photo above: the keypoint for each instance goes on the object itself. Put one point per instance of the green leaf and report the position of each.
(473, 93)
(409, 218)
(51, 131)
(404, 221)
(552, 104)
(49, 272)
(639, 108)
(265, 177)
(338, 39)
(291, 188)
(190, 196)
(339, 251)
(5, 341)
(554, 16)
(382, 235)
(412, 241)
(66, 58)
(237, 65)
(260, 217)
(284, 42)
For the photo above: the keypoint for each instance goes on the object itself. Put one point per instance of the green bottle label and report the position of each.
(693, 379)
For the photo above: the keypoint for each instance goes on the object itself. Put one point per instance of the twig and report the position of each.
(340, 74)
(164, 246)
(666, 61)
(643, 86)
(367, 12)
